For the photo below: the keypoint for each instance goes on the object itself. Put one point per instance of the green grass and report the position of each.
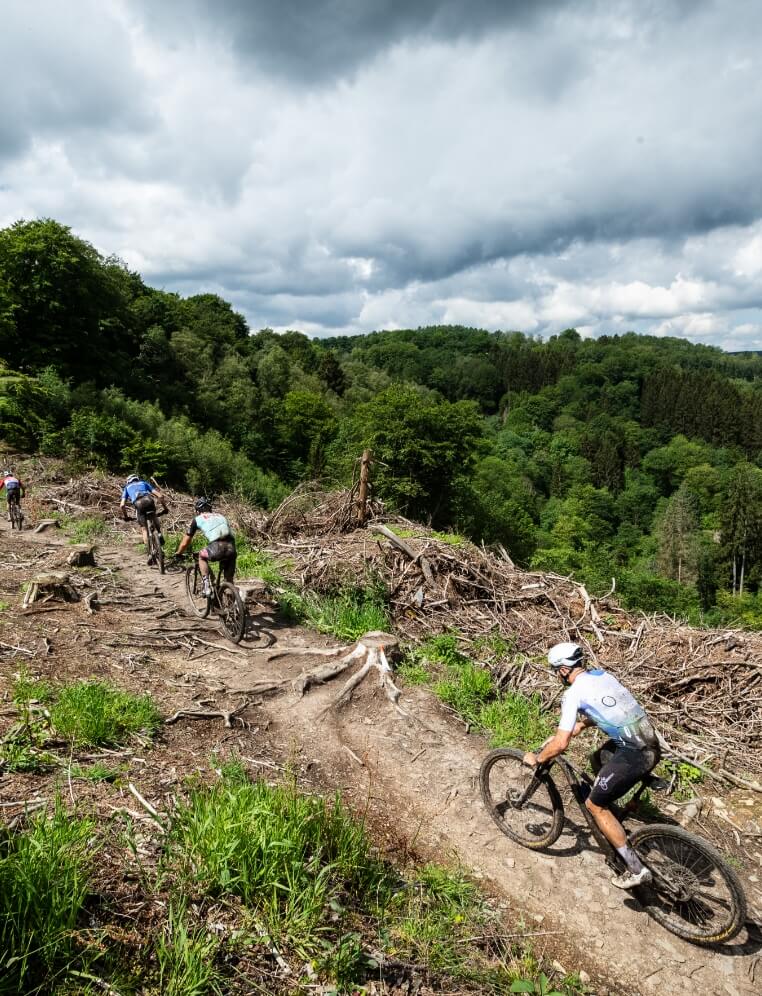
(97, 772)
(185, 958)
(508, 718)
(686, 777)
(285, 855)
(44, 882)
(93, 713)
(27, 689)
(347, 614)
(86, 530)
(4, 606)
(307, 874)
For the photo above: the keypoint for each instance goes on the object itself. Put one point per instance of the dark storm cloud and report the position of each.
(315, 40)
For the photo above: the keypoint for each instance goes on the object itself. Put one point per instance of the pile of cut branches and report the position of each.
(702, 687)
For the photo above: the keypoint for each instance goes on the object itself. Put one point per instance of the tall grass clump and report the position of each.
(44, 882)
(284, 854)
(349, 613)
(508, 718)
(94, 713)
(185, 958)
(86, 530)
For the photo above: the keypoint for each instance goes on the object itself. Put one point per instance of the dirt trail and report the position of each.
(419, 780)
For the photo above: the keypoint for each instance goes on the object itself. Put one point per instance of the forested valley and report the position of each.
(627, 457)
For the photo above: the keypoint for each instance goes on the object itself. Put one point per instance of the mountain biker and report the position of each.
(631, 752)
(221, 545)
(14, 489)
(141, 494)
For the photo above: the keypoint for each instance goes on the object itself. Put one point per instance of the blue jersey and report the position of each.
(614, 710)
(134, 491)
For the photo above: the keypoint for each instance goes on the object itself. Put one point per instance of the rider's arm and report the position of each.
(185, 542)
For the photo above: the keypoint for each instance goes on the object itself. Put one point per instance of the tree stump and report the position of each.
(47, 524)
(371, 648)
(82, 556)
(52, 584)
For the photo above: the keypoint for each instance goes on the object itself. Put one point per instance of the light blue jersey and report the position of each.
(614, 710)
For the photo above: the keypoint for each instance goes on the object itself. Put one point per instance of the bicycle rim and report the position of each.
(694, 894)
(158, 551)
(504, 778)
(198, 602)
(232, 612)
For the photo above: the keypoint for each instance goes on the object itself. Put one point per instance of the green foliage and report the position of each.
(222, 840)
(93, 713)
(542, 986)
(509, 718)
(44, 882)
(349, 613)
(86, 530)
(685, 777)
(186, 958)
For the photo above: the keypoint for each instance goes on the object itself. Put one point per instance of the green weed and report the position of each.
(185, 958)
(285, 855)
(86, 530)
(542, 986)
(348, 614)
(509, 718)
(96, 772)
(93, 713)
(4, 606)
(44, 881)
(253, 563)
(686, 777)
(27, 689)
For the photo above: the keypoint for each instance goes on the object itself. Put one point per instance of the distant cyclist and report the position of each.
(14, 489)
(141, 494)
(221, 542)
(598, 699)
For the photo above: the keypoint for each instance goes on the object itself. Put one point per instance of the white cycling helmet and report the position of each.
(132, 479)
(569, 655)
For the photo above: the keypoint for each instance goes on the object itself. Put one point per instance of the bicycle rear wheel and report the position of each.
(16, 516)
(197, 600)
(504, 779)
(232, 612)
(157, 550)
(694, 894)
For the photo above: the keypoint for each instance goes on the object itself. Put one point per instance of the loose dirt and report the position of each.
(416, 779)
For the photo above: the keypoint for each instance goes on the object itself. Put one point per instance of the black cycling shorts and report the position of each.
(222, 550)
(619, 768)
(144, 506)
(14, 496)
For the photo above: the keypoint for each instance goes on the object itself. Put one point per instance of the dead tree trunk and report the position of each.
(44, 587)
(362, 497)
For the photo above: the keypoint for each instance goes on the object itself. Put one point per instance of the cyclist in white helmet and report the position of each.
(596, 698)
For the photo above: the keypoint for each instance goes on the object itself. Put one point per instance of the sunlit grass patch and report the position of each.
(44, 882)
(185, 957)
(93, 713)
(86, 530)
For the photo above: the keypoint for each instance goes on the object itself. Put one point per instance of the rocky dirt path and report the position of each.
(419, 782)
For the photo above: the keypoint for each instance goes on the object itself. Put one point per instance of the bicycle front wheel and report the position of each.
(199, 603)
(525, 806)
(232, 612)
(694, 894)
(155, 548)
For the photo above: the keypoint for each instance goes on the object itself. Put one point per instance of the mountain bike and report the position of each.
(694, 894)
(16, 515)
(223, 599)
(155, 548)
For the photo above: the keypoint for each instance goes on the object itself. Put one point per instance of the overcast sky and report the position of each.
(349, 165)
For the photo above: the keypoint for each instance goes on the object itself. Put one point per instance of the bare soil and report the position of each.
(416, 779)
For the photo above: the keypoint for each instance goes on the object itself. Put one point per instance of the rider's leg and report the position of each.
(614, 833)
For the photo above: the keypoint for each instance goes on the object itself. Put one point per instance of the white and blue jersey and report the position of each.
(134, 491)
(607, 703)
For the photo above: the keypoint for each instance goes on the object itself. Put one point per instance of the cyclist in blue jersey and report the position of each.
(221, 545)
(141, 494)
(596, 698)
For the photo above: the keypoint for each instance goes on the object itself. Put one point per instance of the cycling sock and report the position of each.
(630, 858)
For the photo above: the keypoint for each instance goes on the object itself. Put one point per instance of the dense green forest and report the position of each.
(626, 456)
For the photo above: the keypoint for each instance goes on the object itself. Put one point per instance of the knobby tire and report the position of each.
(710, 907)
(232, 612)
(502, 777)
(155, 547)
(199, 603)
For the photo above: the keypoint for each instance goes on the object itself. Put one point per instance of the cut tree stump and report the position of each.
(51, 585)
(47, 524)
(371, 649)
(82, 556)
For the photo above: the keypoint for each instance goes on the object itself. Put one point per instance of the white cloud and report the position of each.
(584, 168)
